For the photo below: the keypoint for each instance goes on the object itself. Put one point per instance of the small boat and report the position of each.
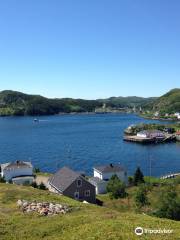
(36, 120)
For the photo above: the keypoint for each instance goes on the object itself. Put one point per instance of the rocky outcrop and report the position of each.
(43, 208)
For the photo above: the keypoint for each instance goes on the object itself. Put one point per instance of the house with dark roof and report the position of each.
(102, 174)
(18, 172)
(72, 184)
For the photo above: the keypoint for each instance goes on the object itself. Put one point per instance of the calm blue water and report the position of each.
(81, 142)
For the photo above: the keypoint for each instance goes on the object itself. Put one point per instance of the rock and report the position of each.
(19, 203)
(44, 209)
(25, 204)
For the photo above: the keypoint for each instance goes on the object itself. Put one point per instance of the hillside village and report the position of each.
(65, 181)
(75, 202)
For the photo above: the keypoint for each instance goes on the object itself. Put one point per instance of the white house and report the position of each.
(151, 134)
(156, 114)
(102, 174)
(18, 172)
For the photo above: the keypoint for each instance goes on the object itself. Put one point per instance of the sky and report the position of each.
(90, 48)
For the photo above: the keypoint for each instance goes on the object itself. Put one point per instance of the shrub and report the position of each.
(168, 204)
(42, 186)
(140, 197)
(116, 188)
(34, 185)
(130, 181)
(36, 170)
(2, 180)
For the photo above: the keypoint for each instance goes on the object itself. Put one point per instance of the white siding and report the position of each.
(106, 176)
(22, 180)
(143, 135)
(97, 174)
(101, 187)
(15, 172)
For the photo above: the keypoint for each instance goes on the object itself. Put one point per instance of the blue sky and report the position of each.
(90, 48)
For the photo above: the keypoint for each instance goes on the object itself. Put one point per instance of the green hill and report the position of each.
(168, 103)
(86, 221)
(127, 101)
(17, 103)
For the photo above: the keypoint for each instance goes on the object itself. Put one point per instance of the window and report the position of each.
(79, 183)
(76, 195)
(87, 193)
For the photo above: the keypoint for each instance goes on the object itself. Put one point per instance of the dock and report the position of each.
(135, 138)
(170, 175)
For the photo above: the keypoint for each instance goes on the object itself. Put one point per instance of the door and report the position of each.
(76, 195)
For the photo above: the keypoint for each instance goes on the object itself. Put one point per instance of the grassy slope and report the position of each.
(84, 222)
(169, 103)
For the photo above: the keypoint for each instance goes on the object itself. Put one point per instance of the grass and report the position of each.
(43, 174)
(86, 221)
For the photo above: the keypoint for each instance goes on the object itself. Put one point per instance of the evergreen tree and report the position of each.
(116, 188)
(138, 177)
(141, 197)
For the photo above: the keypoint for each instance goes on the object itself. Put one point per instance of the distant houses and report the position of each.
(102, 175)
(72, 184)
(152, 134)
(18, 172)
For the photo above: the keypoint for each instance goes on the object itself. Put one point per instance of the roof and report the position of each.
(62, 179)
(150, 131)
(109, 168)
(14, 165)
(96, 180)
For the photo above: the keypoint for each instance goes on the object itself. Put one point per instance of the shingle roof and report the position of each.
(109, 168)
(95, 180)
(17, 164)
(62, 179)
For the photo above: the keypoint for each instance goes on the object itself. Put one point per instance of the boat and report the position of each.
(36, 120)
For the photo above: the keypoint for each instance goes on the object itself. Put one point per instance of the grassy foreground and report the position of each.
(86, 221)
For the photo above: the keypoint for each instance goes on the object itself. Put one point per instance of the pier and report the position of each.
(170, 175)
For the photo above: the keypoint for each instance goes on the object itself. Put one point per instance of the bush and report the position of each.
(168, 204)
(138, 177)
(42, 186)
(34, 185)
(36, 170)
(130, 181)
(2, 180)
(116, 188)
(140, 197)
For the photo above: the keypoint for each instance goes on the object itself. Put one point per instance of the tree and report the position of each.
(2, 180)
(130, 181)
(36, 170)
(138, 177)
(116, 188)
(168, 204)
(141, 197)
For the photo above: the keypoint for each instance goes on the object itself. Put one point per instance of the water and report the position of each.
(81, 142)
